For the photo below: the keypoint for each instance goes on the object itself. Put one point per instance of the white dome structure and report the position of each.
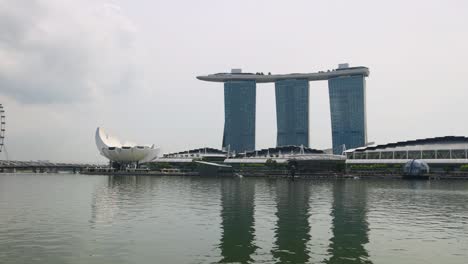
(112, 148)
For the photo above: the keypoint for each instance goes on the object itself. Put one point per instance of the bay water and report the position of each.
(66, 218)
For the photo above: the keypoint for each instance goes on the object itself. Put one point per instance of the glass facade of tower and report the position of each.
(348, 112)
(239, 115)
(292, 112)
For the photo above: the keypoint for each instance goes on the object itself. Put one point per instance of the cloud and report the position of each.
(62, 51)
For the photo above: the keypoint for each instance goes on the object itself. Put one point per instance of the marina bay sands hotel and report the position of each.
(347, 93)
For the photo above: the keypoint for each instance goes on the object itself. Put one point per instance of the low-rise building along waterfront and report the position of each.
(206, 154)
(264, 162)
(278, 161)
(189, 161)
(442, 154)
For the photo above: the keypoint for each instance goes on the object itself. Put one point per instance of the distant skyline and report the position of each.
(67, 67)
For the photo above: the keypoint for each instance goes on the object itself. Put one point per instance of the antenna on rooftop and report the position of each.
(2, 127)
(2, 132)
(343, 151)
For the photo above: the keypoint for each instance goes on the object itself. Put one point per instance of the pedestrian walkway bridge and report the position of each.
(42, 166)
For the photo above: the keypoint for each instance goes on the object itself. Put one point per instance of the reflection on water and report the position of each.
(119, 191)
(349, 223)
(292, 227)
(97, 219)
(237, 213)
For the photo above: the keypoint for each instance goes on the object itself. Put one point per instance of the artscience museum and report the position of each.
(126, 152)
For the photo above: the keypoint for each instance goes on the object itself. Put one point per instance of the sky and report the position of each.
(69, 66)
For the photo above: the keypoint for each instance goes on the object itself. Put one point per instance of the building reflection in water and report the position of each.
(237, 220)
(349, 223)
(104, 205)
(292, 232)
(293, 229)
(107, 199)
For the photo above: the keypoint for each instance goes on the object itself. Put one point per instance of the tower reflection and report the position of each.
(237, 214)
(349, 223)
(292, 229)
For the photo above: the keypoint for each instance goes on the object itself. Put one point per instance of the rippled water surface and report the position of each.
(51, 218)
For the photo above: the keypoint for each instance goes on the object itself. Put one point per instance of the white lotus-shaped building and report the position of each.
(113, 149)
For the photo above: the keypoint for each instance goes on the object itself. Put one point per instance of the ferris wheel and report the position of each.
(2, 127)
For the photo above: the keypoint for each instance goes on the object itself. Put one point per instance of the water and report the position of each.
(51, 218)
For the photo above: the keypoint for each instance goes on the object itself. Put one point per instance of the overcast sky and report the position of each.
(68, 66)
